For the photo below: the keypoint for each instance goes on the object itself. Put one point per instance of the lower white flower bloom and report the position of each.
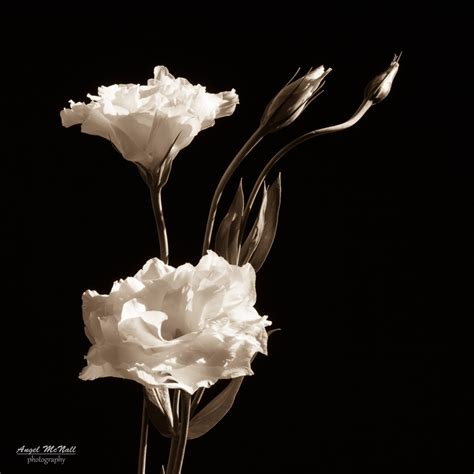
(184, 327)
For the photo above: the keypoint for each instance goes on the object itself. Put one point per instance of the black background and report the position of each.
(369, 278)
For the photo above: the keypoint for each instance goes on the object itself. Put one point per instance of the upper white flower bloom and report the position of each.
(152, 122)
(182, 327)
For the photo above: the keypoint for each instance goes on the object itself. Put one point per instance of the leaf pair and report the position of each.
(227, 237)
(259, 241)
(217, 408)
(160, 413)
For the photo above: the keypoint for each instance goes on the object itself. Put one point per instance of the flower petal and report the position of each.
(184, 327)
(75, 115)
(150, 123)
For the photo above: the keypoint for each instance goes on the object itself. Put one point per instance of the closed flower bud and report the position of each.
(290, 102)
(379, 87)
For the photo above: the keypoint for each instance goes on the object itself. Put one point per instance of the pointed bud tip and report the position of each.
(291, 101)
(316, 73)
(379, 87)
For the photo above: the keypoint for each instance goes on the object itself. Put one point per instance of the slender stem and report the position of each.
(143, 439)
(155, 194)
(185, 402)
(175, 406)
(244, 151)
(174, 440)
(172, 456)
(363, 108)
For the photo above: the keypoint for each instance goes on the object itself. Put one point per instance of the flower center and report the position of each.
(172, 329)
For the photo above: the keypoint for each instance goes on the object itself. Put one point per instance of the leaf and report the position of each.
(255, 234)
(269, 333)
(163, 172)
(218, 407)
(144, 173)
(270, 225)
(215, 410)
(158, 405)
(227, 238)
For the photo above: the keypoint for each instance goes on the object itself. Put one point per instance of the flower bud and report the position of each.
(290, 102)
(379, 87)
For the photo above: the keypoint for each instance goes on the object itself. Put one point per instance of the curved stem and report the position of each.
(155, 194)
(143, 439)
(363, 108)
(244, 151)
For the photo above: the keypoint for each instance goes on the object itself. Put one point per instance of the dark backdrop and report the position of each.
(368, 279)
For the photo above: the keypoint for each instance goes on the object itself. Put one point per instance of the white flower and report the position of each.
(150, 123)
(182, 327)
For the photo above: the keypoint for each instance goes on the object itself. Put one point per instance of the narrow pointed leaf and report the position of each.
(233, 243)
(255, 234)
(164, 171)
(227, 238)
(215, 410)
(144, 173)
(271, 222)
(158, 405)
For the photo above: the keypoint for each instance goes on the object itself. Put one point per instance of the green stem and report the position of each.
(363, 108)
(244, 151)
(143, 439)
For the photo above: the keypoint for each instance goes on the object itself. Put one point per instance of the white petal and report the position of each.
(143, 328)
(75, 115)
(228, 103)
(97, 124)
(160, 72)
(153, 270)
(167, 137)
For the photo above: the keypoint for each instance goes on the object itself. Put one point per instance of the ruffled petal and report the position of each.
(228, 101)
(183, 327)
(75, 115)
(149, 123)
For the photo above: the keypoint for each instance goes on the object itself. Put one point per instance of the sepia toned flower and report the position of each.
(148, 124)
(379, 87)
(290, 102)
(183, 327)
